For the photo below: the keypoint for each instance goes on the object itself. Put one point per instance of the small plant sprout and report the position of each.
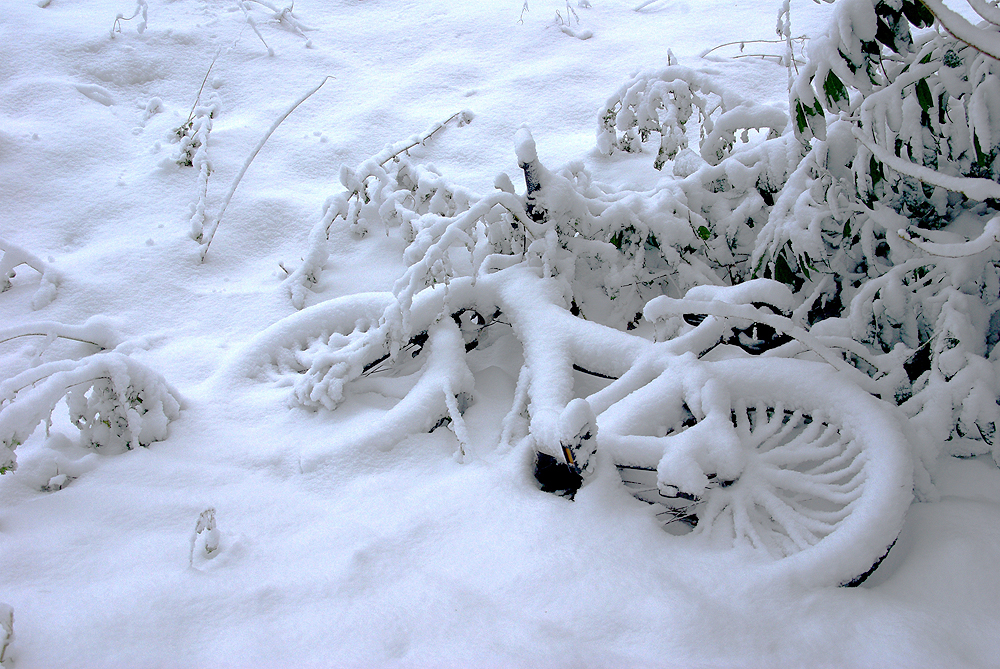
(283, 17)
(253, 26)
(571, 15)
(140, 8)
(566, 25)
(205, 539)
(153, 107)
(183, 130)
(57, 482)
(193, 150)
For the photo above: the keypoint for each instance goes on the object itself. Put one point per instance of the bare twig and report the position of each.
(201, 88)
(800, 38)
(246, 165)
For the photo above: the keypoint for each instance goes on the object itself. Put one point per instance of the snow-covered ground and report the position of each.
(397, 558)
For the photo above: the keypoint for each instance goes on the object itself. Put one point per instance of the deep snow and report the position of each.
(398, 558)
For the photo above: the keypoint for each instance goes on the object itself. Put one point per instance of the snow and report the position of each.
(958, 26)
(241, 521)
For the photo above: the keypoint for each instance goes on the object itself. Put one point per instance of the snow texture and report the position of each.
(393, 323)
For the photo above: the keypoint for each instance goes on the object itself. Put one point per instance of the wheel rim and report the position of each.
(824, 490)
(801, 482)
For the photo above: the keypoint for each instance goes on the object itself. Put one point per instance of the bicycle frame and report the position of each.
(786, 458)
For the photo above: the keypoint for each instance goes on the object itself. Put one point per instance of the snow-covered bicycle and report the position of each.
(786, 459)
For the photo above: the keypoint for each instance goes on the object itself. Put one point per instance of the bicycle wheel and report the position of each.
(825, 474)
(338, 355)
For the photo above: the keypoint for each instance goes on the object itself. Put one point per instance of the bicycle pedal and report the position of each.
(557, 477)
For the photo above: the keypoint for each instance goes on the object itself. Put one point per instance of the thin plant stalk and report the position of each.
(250, 158)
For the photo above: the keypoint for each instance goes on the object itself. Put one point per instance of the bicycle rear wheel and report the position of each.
(826, 475)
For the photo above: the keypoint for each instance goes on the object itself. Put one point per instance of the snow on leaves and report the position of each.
(665, 101)
(115, 402)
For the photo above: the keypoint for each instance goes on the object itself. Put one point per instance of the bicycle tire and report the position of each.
(409, 396)
(827, 479)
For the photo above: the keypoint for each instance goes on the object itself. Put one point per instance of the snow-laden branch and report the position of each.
(984, 40)
(990, 235)
(663, 306)
(974, 188)
(115, 402)
(96, 331)
(13, 256)
(989, 12)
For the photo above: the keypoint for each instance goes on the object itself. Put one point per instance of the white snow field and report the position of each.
(229, 526)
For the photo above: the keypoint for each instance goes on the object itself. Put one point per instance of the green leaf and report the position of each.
(924, 96)
(981, 158)
(876, 171)
(800, 117)
(886, 35)
(809, 262)
(704, 232)
(806, 127)
(782, 272)
(851, 65)
(917, 14)
(835, 90)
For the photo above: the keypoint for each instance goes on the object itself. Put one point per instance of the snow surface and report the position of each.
(258, 534)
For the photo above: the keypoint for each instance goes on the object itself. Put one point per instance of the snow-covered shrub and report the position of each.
(889, 220)
(13, 257)
(625, 247)
(115, 402)
(664, 101)
(387, 189)
(610, 250)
